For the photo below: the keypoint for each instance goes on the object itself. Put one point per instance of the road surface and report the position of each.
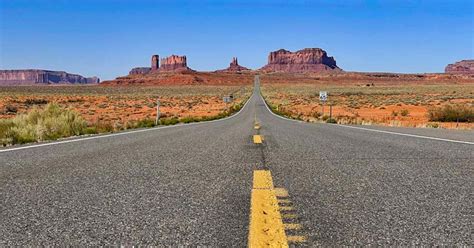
(191, 185)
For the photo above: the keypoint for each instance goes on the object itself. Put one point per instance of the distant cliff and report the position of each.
(174, 63)
(306, 60)
(461, 67)
(29, 77)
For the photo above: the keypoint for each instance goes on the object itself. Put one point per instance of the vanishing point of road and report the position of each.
(248, 180)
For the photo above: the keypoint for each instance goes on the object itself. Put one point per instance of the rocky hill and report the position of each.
(306, 60)
(30, 76)
(234, 67)
(174, 63)
(461, 67)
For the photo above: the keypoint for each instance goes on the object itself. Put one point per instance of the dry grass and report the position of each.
(109, 109)
(119, 105)
(49, 123)
(396, 105)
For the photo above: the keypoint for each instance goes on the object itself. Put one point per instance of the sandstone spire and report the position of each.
(155, 62)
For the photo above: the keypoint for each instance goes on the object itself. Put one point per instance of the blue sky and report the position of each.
(108, 37)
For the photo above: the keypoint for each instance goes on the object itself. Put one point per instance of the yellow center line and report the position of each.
(257, 139)
(266, 225)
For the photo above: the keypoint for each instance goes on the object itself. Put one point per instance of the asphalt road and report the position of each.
(191, 184)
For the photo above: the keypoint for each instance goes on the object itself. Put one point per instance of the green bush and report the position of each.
(169, 121)
(331, 120)
(432, 125)
(404, 112)
(452, 113)
(50, 123)
(145, 123)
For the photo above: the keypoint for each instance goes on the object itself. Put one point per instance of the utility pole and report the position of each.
(157, 112)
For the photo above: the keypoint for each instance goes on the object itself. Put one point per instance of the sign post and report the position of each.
(227, 100)
(323, 97)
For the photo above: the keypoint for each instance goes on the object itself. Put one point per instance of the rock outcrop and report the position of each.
(174, 63)
(29, 77)
(306, 60)
(140, 70)
(461, 67)
(155, 62)
(234, 67)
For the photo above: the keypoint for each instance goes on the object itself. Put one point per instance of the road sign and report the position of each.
(323, 96)
(227, 99)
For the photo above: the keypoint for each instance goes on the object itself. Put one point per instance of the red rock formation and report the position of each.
(234, 67)
(28, 77)
(461, 67)
(155, 59)
(174, 63)
(306, 60)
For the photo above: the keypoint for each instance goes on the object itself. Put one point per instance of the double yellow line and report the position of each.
(266, 224)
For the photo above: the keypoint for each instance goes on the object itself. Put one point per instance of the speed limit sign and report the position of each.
(323, 96)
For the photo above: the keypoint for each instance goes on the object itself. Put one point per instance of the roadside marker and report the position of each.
(257, 139)
(266, 225)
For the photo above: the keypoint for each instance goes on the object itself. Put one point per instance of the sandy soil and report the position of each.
(121, 104)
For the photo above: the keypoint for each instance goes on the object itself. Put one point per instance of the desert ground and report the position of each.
(117, 105)
(381, 99)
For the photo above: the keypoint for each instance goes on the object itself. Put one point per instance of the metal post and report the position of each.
(157, 112)
(322, 109)
(330, 111)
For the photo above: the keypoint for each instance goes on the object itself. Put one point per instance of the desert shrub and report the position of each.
(394, 113)
(452, 113)
(145, 123)
(103, 126)
(169, 121)
(11, 109)
(90, 130)
(432, 125)
(102, 105)
(5, 127)
(331, 120)
(36, 101)
(404, 112)
(190, 119)
(49, 123)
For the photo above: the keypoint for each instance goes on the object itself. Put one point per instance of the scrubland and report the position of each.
(36, 113)
(435, 102)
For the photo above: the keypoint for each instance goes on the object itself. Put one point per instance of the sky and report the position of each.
(106, 38)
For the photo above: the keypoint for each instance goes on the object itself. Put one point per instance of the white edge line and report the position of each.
(374, 130)
(123, 133)
(408, 135)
